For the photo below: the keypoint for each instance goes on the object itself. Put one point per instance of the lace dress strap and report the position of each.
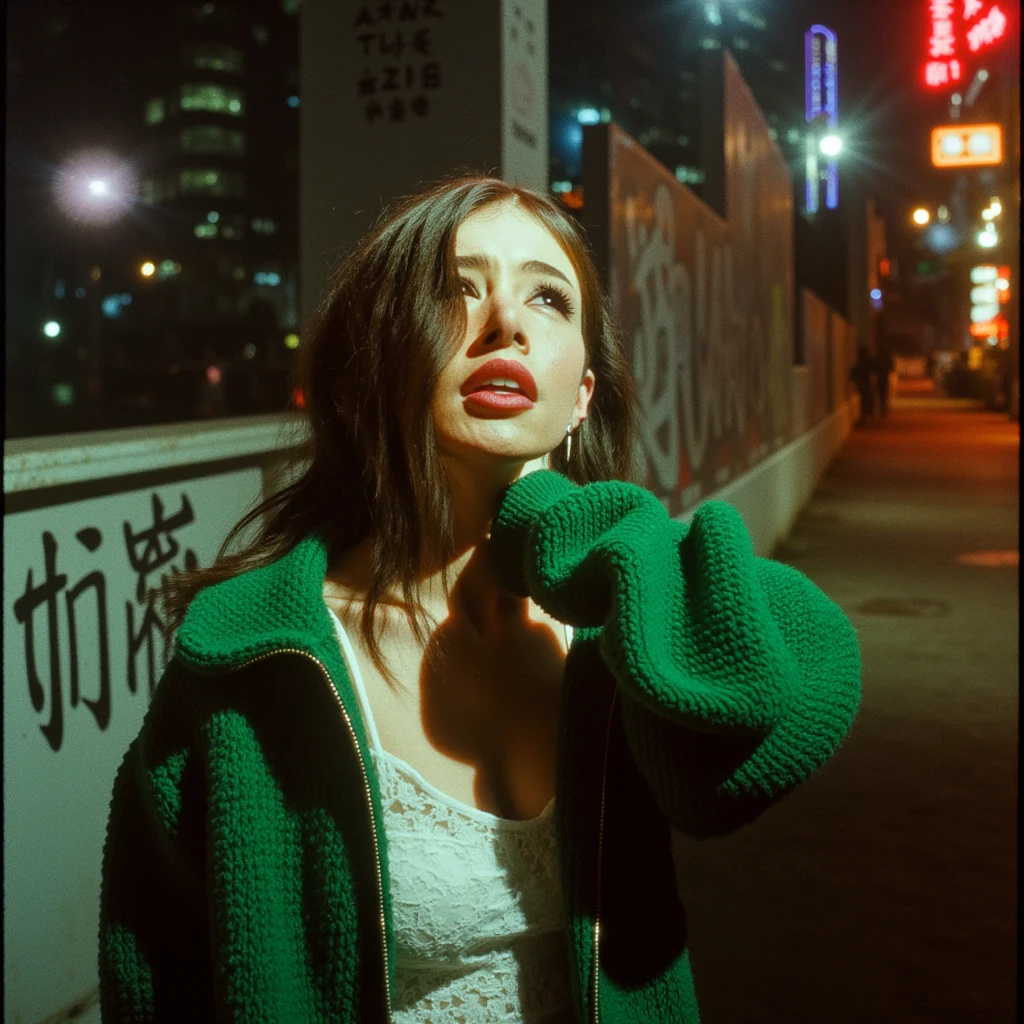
(348, 651)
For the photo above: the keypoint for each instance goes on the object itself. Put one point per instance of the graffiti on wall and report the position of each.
(706, 305)
(43, 617)
(84, 599)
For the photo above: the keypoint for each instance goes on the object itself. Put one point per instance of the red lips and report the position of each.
(507, 369)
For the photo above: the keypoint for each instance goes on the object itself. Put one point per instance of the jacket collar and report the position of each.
(275, 607)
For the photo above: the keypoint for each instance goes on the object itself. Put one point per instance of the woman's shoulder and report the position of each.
(256, 610)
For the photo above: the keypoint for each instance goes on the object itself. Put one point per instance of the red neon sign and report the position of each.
(944, 66)
(956, 26)
(987, 30)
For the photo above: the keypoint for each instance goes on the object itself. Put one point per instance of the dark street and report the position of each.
(885, 890)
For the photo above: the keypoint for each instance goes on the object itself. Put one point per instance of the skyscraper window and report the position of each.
(213, 139)
(216, 99)
(212, 182)
(214, 57)
(156, 109)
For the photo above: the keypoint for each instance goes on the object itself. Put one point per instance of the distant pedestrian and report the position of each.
(862, 374)
(883, 370)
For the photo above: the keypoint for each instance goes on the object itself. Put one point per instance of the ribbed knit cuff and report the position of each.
(522, 504)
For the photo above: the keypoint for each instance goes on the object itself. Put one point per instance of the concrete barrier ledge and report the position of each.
(32, 463)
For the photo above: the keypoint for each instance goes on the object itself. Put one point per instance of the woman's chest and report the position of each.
(475, 709)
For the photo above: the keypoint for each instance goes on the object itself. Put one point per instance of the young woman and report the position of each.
(376, 782)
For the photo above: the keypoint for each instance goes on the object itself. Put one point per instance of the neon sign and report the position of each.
(944, 66)
(987, 31)
(954, 23)
(822, 109)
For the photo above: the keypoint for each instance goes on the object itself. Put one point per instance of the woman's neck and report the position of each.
(476, 491)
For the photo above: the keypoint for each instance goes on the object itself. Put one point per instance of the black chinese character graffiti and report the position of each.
(46, 594)
(150, 550)
(154, 555)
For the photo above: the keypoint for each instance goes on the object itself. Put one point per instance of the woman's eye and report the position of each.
(556, 298)
(466, 286)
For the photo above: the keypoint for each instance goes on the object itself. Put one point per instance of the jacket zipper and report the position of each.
(600, 853)
(369, 804)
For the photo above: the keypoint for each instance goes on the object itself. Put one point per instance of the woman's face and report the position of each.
(523, 309)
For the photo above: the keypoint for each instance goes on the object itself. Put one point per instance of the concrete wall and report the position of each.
(92, 522)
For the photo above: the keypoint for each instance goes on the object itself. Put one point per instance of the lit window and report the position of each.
(213, 139)
(260, 34)
(217, 99)
(690, 175)
(205, 230)
(156, 109)
(210, 182)
(777, 65)
(232, 232)
(293, 101)
(264, 225)
(707, 43)
(214, 57)
(168, 268)
(113, 304)
(561, 186)
(793, 135)
(59, 289)
(682, 140)
(773, 134)
(290, 6)
(751, 19)
(268, 278)
(741, 44)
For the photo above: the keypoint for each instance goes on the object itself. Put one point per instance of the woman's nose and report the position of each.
(504, 321)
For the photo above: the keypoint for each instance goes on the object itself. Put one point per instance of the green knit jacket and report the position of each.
(245, 871)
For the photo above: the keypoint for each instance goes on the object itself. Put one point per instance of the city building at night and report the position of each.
(181, 302)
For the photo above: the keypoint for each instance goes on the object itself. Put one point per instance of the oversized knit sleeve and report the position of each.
(738, 676)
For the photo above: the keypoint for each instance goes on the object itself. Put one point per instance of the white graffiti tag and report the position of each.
(698, 356)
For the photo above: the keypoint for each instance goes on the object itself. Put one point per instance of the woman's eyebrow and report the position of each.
(475, 261)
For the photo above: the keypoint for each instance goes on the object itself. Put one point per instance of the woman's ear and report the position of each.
(584, 395)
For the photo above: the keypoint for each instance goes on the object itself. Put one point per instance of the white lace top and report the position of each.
(479, 926)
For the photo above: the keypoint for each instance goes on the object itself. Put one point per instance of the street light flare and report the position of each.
(94, 186)
(831, 145)
(921, 216)
(147, 269)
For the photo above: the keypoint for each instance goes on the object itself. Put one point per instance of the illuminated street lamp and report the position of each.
(95, 187)
(921, 216)
(148, 269)
(830, 145)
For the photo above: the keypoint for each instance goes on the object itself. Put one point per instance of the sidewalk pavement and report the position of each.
(884, 889)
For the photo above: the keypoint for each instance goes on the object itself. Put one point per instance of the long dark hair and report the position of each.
(369, 467)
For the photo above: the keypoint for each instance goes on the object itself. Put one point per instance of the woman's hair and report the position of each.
(369, 466)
